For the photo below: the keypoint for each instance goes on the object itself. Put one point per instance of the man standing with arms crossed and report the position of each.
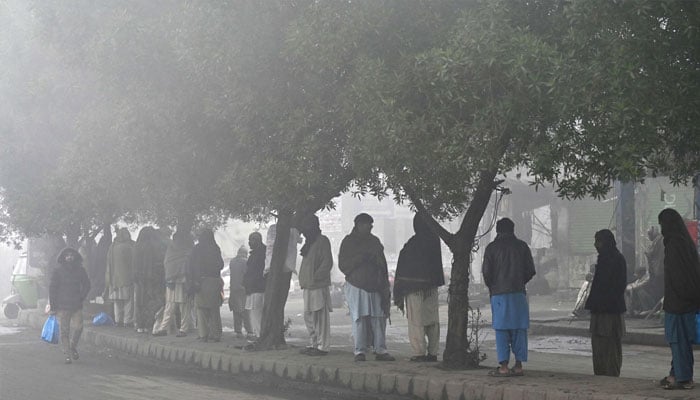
(507, 267)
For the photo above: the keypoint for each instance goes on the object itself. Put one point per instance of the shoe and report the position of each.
(202, 339)
(418, 358)
(160, 333)
(317, 352)
(431, 358)
(119, 324)
(141, 330)
(687, 385)
(181, 334)
(74, 354)
(68, 361)
(306, 351)
(384, 357)
(360, 357)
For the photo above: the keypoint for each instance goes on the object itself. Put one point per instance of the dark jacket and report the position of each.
(361, 259)
(69, 287)
(254, 280)
(681, 276)
(607, 294)
(205, 260)
(508, 265)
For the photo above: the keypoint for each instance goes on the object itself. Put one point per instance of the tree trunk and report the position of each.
(276, 289)
(457, 354)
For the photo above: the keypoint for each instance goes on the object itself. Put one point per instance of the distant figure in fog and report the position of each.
(119, 278)
(418, 275)
(177, 296)
(254, 281)
(68, 289)
(236, 298)
(315, 281)
(205, 270)
(367, 289)
(507, 268)
(606, 302)
(290, 263)
(149, 278)
(681, 298)
(99, 264)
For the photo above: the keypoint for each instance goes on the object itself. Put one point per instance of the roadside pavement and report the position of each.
(419, 380)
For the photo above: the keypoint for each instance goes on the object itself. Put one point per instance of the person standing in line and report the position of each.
(681, 298)
(606, 302)
(508, 266)
(205, 269)
(290, 263)
(68, 288)
(236, 298)
(254, 281)
(315, 281)
(119, 278)
(176, 261)
(149, 278)
(367, 290)
(418, 275)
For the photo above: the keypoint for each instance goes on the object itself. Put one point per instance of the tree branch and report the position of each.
(444, 234)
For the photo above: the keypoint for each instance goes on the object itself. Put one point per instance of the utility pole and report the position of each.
(626, 225)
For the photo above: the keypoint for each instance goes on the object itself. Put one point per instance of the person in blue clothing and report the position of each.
(507, 267)
(681, 298)
(606, 303)
(68, 289)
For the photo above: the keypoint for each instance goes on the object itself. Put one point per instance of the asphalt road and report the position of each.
(33, 370)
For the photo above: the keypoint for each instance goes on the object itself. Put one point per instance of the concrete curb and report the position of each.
(422, 382)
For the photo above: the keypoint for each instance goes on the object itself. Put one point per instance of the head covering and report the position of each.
(310, 228)
(123, 235)
(505, 225)
(242, 251)
(77, 258)
(606, 239)
(206, 236)
(363, 218)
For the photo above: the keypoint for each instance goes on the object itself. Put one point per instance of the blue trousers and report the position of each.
(369, 330)
(680, 333)
(514, 340)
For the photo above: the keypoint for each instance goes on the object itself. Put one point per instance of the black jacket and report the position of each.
(68, 288)
(361, 259)
(254, 280)
(607, 294)
(681, 276)
(508, 265)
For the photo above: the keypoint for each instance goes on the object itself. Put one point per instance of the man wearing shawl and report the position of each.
(507, 267)
(315, 281)
(607, 304)
(236, 298)
(119, 277)
(367, 290)
(176, 262)
(681, 297)
(149, 278)
(254, 281)
(205, 271)
(418, 275)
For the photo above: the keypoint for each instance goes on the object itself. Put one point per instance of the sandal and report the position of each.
(496, 372)
(678, 385)
(515, 372)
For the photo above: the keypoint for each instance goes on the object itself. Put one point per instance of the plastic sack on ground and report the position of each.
(102, 319)
(50, 331)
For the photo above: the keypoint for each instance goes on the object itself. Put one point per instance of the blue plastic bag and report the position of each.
(50, 331)
(102, 319)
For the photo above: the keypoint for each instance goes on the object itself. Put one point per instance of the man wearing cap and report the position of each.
(367, 291)
(315, 281)
(507, 267)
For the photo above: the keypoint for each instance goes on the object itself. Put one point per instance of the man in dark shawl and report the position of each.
(236, 298)
(361, 259)
(681, 297)
(606, 302)
(99, 264)
(176, 262)
(205, 268)
(68, 288)
(507, 268)
(418, 275)
(149, 278)
(254, 281)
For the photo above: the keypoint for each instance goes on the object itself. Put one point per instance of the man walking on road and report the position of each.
(507, 267)
(315, 280)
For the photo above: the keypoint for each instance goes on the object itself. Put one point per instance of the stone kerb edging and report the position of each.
(421, 386)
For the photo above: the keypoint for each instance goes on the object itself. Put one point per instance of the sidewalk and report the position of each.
(420, 380)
